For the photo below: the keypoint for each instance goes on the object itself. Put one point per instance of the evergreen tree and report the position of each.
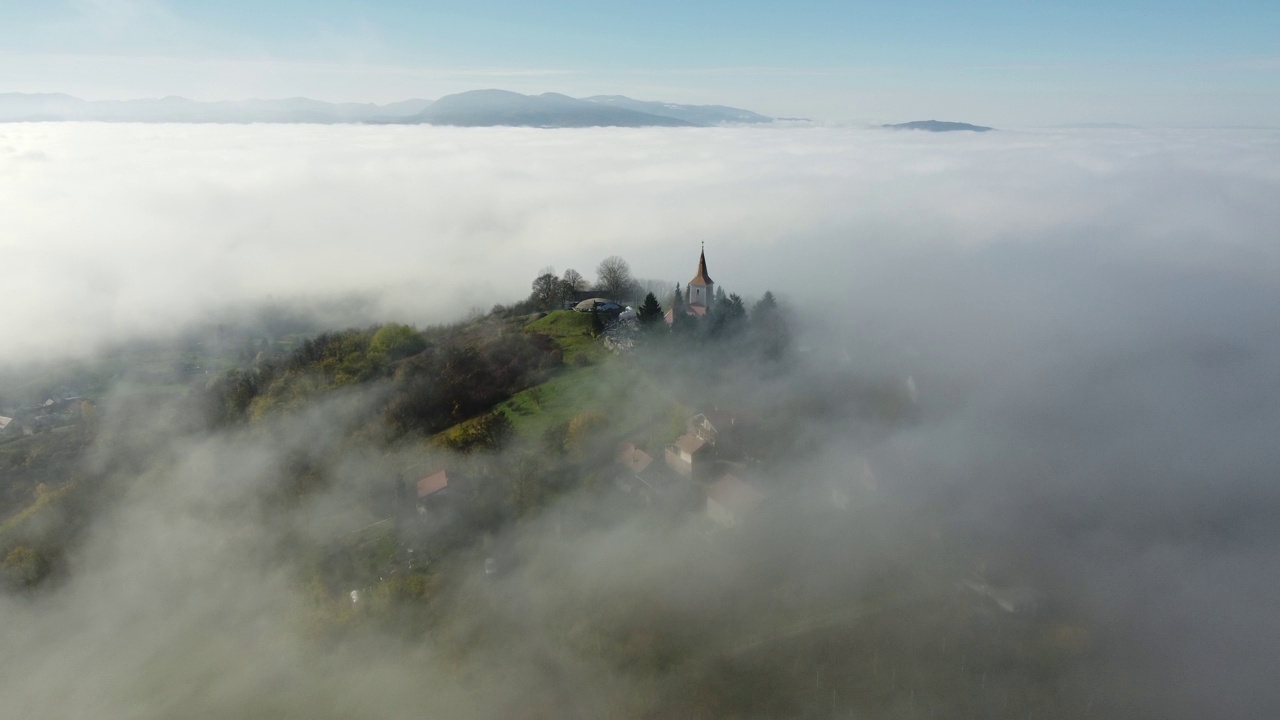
(728, 317)
(678, 319)
(650, 311)
(597, 323)
(769, 328)
(765, 305)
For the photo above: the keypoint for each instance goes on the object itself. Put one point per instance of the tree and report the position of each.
(574, 280)
(548, 290)
(678, 319)
(395, 342)
(526, 484)
(25, 566)
(765, 305)
(728, 316)
(582, 426)
(597, 323)
(769, 327)
(487, 432)
(650, 311)
(615, 279)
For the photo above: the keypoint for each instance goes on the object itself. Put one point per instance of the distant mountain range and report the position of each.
(477, 108)
(21, 107)
(938, 126)
(696, 114)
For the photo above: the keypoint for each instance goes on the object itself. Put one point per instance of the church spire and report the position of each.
(699, 291)
(702, 278)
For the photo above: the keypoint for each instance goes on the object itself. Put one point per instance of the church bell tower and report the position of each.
(701, 288)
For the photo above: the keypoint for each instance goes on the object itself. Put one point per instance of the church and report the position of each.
(698, 295)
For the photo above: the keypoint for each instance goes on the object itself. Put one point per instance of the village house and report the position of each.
(707, 425)
(655, 483)
(633, 461)
(687, 455)
(433, 488)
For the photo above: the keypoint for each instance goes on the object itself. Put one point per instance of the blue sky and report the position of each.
(1172, 62)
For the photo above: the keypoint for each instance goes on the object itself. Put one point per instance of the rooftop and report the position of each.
(734, 494)
(432, 484)
(634, 458)
(702, 278)
(690, 443)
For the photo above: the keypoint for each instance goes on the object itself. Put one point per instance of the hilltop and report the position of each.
(646, 488)
(938, 126)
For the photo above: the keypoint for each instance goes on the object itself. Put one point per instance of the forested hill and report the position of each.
(442, 498)
(512, 378)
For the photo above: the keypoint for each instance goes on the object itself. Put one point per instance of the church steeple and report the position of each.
(701, 288)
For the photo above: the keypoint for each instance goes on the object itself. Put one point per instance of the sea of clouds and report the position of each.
(1092, 319)
(119, 229)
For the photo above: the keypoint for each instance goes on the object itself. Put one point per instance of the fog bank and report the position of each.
(1091, 320)
(117, 229)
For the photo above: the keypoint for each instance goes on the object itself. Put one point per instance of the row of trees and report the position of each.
(728, 317)
(439, 378)
(613, 281)
(765, 326)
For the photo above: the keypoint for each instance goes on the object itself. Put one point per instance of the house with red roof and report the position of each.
(688, 453)
(433, 488)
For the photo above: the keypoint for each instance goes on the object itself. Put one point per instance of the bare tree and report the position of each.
(548, 291)
(574, 280)
(614, 277)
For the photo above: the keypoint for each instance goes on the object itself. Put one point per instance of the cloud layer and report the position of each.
(118, 229)
(1091, 318)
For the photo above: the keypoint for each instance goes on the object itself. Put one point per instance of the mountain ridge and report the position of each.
(938, 126)
(475, 108)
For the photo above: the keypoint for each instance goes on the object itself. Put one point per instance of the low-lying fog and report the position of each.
(1091, 320)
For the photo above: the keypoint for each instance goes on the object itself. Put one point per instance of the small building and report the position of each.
(598, 304)
(434, 487)
(730, 500)
(713, 425)
(635, 460)
(654, 483)
(4, 423)
(686, 454)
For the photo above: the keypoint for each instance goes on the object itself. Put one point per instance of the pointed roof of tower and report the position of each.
(702, 278)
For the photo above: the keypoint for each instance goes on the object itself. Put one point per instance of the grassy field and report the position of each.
(594, 380)
(572, 330)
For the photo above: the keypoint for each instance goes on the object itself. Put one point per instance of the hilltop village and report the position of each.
(694, 493)
(714, 464)
(624, 384)
(675, 396)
